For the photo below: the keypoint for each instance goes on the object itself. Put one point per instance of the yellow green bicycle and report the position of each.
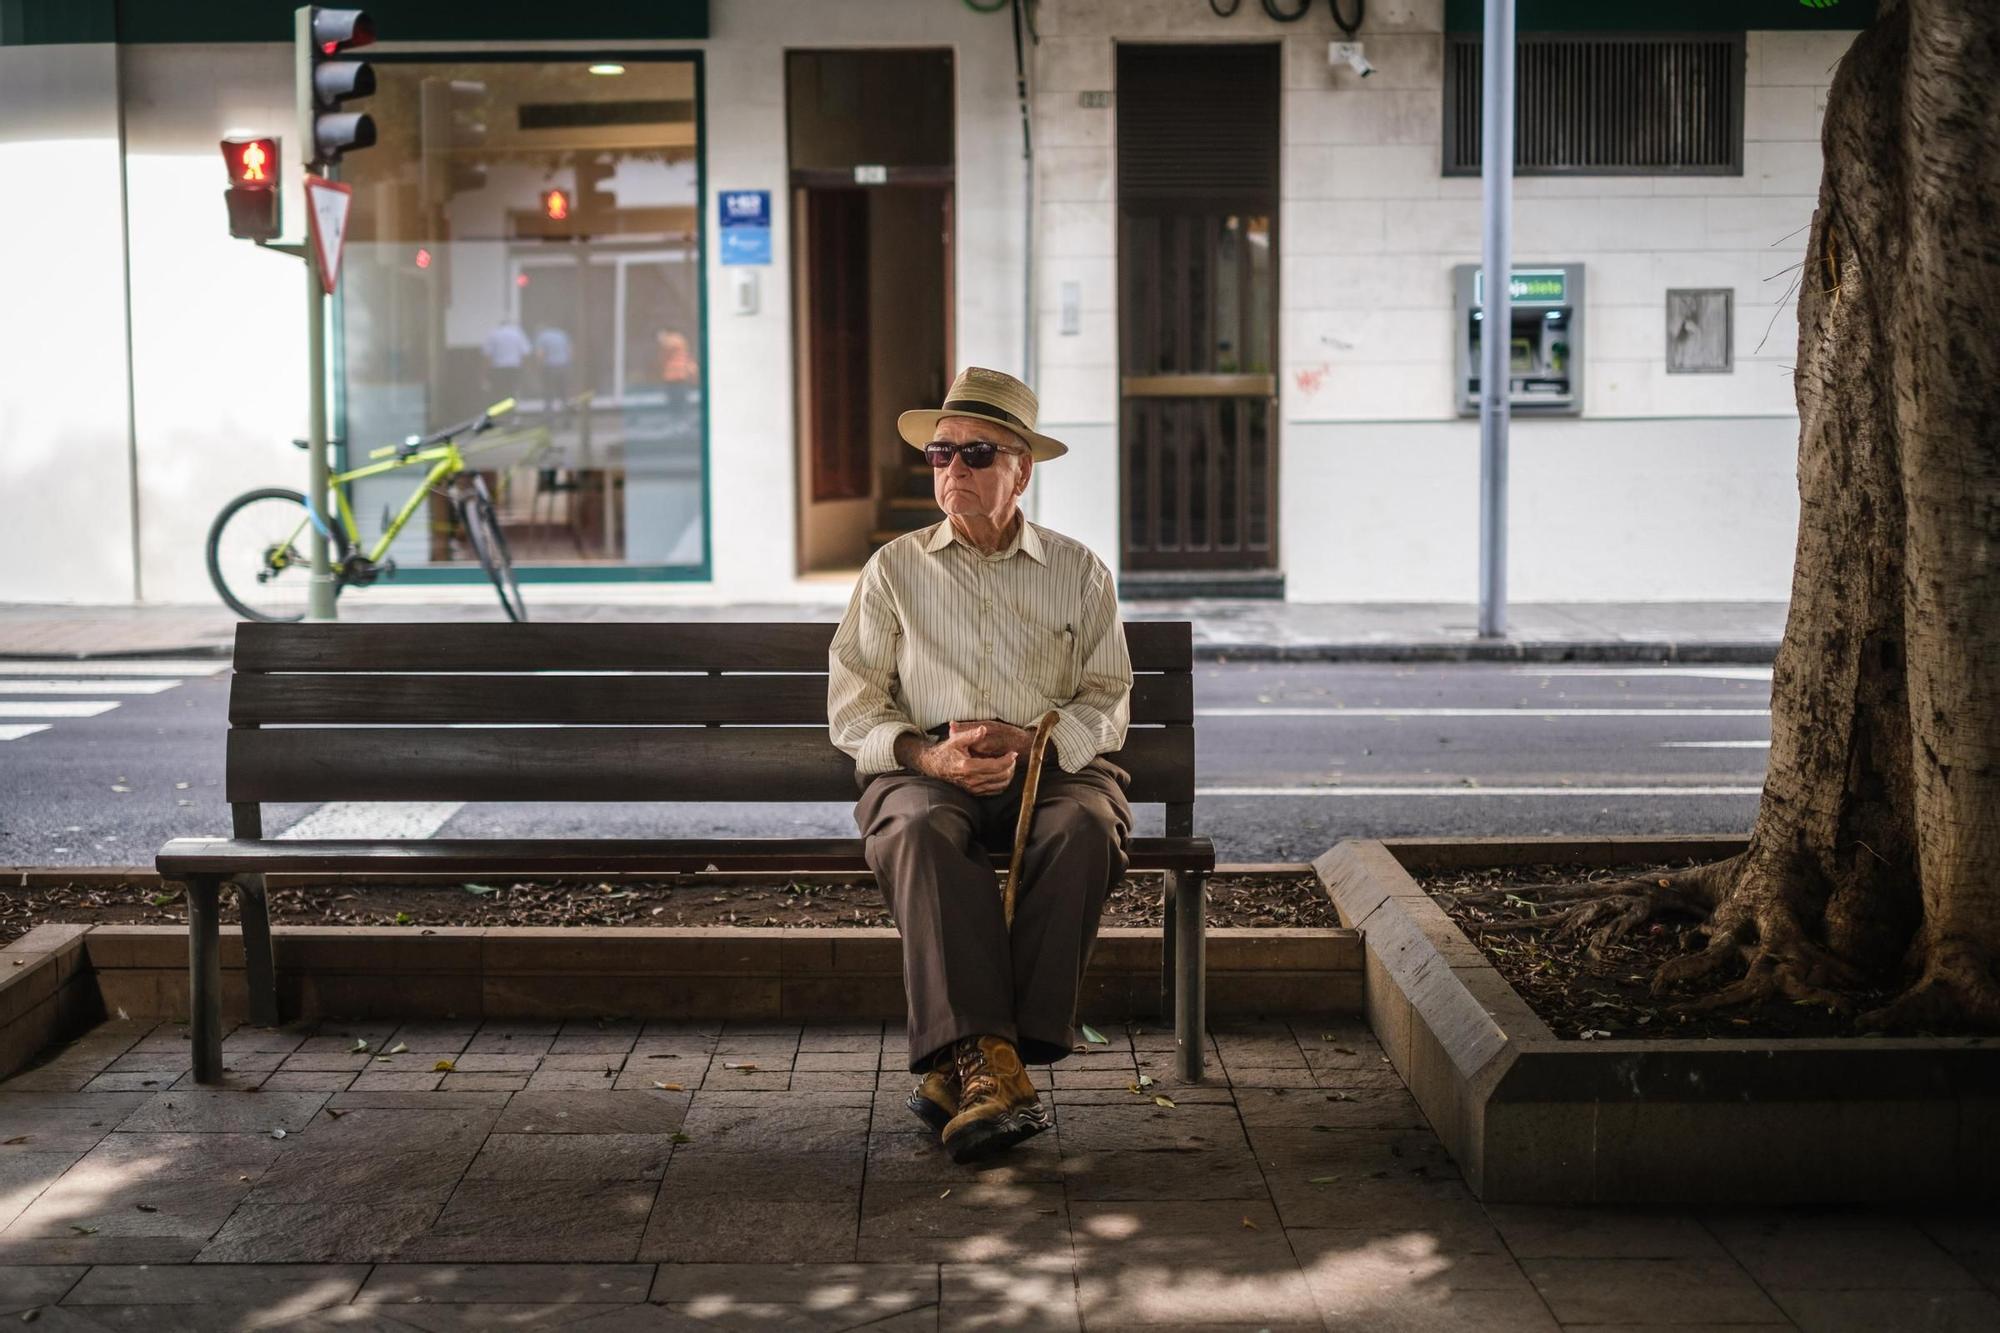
(259, 550)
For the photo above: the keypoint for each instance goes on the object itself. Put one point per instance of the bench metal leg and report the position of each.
(1191, 975)
(1169, 882)
(258, 971)
(205, 979)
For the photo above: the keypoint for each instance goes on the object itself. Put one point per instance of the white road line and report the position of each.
(15, 733)
(1477, 791)
(57, 707)
(14, 687)
(1544, 713)
(1697, 672)
(157, 666)
(1715, 745)
(339, 820)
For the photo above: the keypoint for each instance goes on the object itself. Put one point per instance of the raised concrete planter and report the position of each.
(46, 992)
(1534, 1118)
(506, 972)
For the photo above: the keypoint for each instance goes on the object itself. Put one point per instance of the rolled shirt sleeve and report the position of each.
(863, 717)
(1095, 719)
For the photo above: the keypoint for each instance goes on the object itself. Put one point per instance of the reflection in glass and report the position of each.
(531, 230)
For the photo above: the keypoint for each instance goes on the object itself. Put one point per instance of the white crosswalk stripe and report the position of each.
(151, 666)
(55, 707)
(337, 820)
(19, 687)
(36, 692)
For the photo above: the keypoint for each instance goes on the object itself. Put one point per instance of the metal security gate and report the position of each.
(1197, 258)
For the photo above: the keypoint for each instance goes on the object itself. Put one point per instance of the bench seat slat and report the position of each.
(558, 646)
(231, 856)
(795, 700)
(601, 764)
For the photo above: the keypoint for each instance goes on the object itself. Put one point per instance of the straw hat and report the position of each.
(987, 395)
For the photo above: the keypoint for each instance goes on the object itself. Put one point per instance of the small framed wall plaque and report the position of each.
(1698, 330)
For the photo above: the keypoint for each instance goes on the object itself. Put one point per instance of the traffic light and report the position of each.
(325, 83)
(555, 205)
(253, 195)
(452, 121)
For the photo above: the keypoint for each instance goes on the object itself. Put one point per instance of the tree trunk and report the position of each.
(1874, 864)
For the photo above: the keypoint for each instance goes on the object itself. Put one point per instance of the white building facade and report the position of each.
(712, 248)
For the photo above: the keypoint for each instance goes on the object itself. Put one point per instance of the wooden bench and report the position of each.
(579, 712)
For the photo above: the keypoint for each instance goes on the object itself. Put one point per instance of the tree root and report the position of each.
(1958, 989)
(1612, 911)
(1750, 919)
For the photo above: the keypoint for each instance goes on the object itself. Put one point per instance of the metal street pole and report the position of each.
(319, 587)
(1496, 337)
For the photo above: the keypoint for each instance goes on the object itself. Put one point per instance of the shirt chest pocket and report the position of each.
(1049, 659)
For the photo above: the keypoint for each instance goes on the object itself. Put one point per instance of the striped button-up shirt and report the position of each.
(938, 631)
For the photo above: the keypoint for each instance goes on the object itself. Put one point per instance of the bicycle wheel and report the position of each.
(260, 554)
(475, 510)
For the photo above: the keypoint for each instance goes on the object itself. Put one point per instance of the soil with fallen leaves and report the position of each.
(1233, 900)
(1504, 911)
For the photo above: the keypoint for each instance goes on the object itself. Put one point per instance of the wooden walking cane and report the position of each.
(1037, 752)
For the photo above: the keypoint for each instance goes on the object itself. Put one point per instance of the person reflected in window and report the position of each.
(507, 349)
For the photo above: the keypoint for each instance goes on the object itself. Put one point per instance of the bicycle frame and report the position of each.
(444, 461)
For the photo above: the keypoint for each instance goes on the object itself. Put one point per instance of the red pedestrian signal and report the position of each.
(252, 162)
(555, 205)
(253, 194)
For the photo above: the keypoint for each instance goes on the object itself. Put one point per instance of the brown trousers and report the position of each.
(964, 972)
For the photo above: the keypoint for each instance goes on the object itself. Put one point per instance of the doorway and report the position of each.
(1198, 319)
(871, 141)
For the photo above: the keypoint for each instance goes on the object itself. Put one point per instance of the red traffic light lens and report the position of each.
(337, 29)
(252, 162)
(555, 205)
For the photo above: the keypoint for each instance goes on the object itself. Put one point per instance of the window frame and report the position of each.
(702, 572)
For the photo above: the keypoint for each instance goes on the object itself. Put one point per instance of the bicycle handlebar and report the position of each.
(485, 421)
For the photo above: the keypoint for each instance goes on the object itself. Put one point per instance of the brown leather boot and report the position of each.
(997, 1105)
(935, 1100)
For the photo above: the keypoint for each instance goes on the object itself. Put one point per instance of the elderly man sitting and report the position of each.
(958, 638)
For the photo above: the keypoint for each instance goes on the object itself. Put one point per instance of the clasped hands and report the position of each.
(978, 756)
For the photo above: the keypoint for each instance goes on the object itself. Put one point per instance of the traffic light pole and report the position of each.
(319, 589)
(319, 586)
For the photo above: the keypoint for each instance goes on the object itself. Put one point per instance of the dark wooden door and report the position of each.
(1197, 261)
(836, 279)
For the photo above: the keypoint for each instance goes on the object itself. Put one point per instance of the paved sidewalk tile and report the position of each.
(1297, 1188)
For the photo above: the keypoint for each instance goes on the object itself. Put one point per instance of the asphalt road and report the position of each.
(101, 763)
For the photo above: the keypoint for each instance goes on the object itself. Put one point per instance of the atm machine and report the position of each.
(1545, 358)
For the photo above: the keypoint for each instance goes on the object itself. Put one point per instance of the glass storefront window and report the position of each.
(532, 229)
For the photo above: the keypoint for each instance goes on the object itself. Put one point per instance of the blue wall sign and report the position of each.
(746, 226)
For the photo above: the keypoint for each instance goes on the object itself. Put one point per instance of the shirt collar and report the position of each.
(1027, 540)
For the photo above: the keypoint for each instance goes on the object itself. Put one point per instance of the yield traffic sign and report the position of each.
(327, 206)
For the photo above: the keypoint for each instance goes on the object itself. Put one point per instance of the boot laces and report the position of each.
(975, 1077)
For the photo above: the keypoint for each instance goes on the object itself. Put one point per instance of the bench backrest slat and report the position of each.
(639, 646)
(598, 764)
(546, 712)
(636, 700)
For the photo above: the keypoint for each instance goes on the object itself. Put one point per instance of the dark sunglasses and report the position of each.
(976, 456)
